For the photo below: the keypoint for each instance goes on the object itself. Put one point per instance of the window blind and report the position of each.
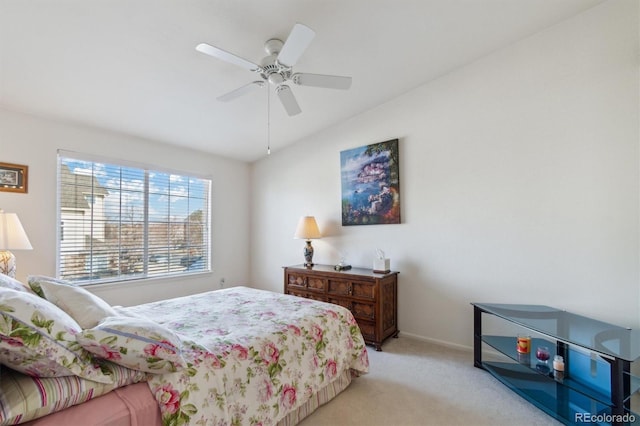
(123, 221)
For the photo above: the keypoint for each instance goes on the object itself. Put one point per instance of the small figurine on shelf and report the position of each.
(558, 368)
(542, 354)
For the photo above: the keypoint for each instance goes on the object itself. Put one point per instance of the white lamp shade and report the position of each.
(307, 229)
(12, 235)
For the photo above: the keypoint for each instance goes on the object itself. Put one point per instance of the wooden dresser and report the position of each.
(371, 297)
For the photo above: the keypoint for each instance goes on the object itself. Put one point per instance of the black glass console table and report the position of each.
(597, 385)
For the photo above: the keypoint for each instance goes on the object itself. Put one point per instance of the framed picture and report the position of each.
(370, 178)
(13, 177)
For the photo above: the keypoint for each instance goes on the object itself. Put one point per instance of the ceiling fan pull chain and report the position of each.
(268, 122)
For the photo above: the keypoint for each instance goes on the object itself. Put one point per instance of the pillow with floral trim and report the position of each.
(34, 283)
(7, 282)
(136, 343)
(38, 338)
(83, 306)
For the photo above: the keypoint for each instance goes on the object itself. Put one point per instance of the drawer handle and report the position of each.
(350, 290)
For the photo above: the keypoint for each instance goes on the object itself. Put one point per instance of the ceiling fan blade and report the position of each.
(216, 52)
(299, 39)
(320, 80)
(288, 100)
(240, 91)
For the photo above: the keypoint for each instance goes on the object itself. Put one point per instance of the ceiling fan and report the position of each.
(277, 68)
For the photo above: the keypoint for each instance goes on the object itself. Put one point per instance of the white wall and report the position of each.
(519, 183)
(33, 141)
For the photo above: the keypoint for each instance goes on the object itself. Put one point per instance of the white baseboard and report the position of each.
(485, 350)
(437, 341)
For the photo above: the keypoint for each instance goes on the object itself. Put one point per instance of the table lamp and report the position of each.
(307, 230)
(12, 237)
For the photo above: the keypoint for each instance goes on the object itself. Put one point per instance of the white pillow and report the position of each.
(7, 282)
(84, 307)
(33, 281)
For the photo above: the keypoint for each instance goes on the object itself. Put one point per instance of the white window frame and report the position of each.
(145, 264)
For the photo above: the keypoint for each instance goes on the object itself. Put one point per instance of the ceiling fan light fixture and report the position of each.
(276, 78)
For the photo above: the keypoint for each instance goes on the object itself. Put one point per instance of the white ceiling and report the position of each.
(131, 65)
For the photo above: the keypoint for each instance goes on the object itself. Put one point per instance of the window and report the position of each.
(123, 221)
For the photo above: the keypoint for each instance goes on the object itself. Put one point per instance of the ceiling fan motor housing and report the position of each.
(273, 46)
(273, 71)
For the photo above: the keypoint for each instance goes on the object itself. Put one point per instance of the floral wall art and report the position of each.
(370, 178)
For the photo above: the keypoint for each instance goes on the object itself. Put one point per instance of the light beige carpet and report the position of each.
(412, 382)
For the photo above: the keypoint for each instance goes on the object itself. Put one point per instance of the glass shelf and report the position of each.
(561, 402)
(598, 336)
(558, 401)
(598, 384)
(506, 345)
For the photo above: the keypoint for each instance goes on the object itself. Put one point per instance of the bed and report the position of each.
(231, 356)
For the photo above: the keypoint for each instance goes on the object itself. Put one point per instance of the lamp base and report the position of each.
(308, 254)
(7, 263)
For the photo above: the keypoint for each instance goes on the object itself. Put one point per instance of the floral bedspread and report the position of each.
(252, 355)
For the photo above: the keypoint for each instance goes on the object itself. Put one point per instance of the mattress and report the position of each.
(23, 398)
(132, 405)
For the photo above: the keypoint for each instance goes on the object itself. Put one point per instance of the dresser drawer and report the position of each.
(307, 282)
(306, 294)
(359, 289)
(345, 303)
(368, 330)
(360, 310)
(364, 310)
